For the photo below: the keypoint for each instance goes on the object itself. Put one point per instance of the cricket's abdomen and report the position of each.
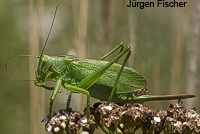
(130, 80)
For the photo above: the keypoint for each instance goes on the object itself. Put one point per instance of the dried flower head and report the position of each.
(126, 118)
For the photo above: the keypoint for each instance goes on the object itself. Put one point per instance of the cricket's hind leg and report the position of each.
(118, 76)
(120, 45)
(91, 79)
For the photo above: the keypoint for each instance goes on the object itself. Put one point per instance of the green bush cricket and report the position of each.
(106, 81)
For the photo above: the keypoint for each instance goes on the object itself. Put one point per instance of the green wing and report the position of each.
(129, 81)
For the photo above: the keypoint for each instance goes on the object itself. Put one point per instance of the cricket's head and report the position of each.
(51, 66)
(44, 65)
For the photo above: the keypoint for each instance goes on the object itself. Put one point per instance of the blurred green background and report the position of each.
(165, 44)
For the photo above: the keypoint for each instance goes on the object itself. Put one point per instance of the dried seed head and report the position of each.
(63, 125)
(140, 92)
(177, 126)
(84, 132)
(108, 108)
(84, 121)
(56, 129)
(128, 117)
(157, 119)
(48, 128)
(62, 117)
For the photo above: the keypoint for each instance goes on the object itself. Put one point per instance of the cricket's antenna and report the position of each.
(51, 27)
(6, 66)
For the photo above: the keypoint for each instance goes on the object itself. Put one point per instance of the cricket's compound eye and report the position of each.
(45, 60)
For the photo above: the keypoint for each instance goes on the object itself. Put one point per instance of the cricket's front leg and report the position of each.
(53, 96)
(37, 83)
(47, 78)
